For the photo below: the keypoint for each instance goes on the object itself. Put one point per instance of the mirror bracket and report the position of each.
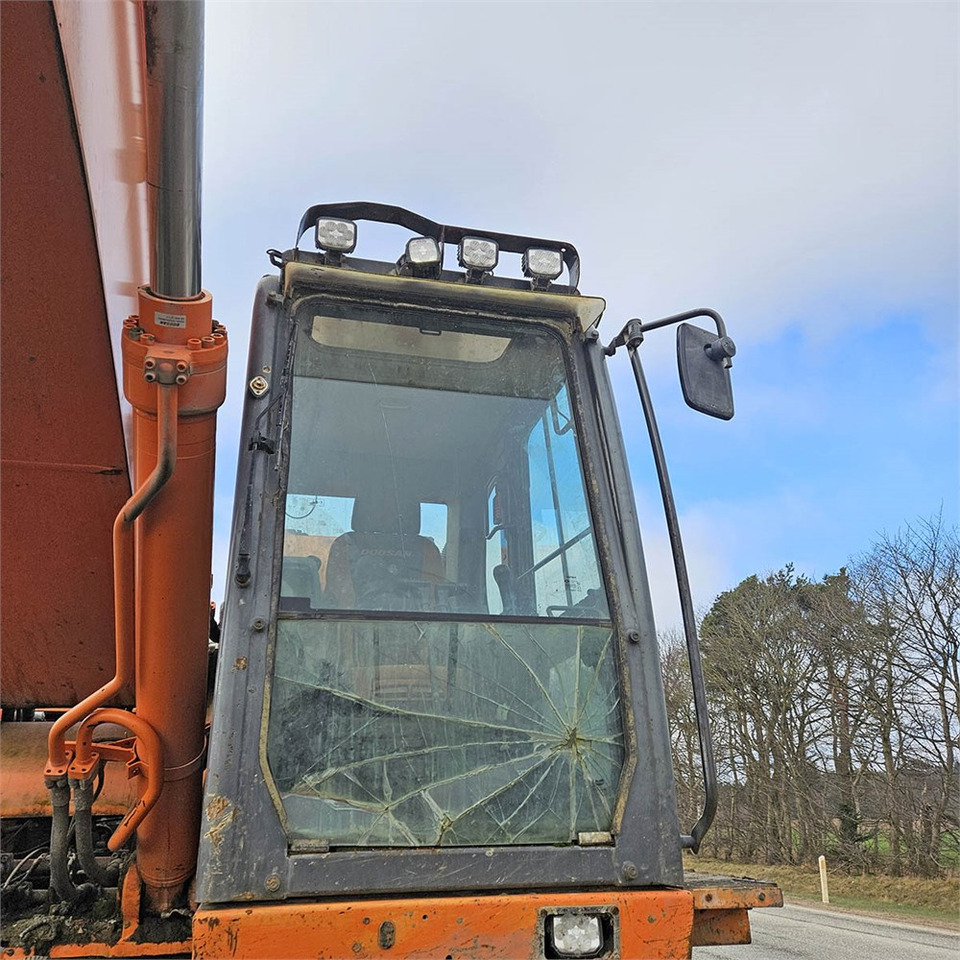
(636, 328)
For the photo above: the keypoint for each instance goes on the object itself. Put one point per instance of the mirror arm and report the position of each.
(635, 329)
(632, 339)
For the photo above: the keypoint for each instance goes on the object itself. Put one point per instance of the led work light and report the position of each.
(477, 256)
(575, 934)
(542, 266)
(336, 237)
(422, 257)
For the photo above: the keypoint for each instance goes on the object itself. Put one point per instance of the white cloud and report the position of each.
(793, 165)
(757, 156)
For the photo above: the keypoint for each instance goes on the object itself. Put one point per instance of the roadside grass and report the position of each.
(906, 898)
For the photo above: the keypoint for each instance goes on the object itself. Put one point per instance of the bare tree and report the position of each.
(910, 582)
(835, 709)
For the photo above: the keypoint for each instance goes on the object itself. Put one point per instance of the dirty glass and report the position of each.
(444, 669)
(384, 445)
(567, 580)
(439, 733)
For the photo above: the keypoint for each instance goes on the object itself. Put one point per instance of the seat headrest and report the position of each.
(386, 513)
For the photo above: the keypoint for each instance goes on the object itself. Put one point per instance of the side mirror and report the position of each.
(704, 362)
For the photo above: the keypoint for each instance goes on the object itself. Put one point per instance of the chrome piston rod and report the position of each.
(173, 35)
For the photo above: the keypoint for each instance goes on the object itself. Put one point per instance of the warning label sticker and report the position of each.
(169, 320)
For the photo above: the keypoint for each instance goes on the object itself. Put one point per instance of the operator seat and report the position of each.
(383, 563)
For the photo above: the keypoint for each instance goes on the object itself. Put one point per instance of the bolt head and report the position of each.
(272, 883)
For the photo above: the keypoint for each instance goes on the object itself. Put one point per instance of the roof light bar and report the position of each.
(477, 256)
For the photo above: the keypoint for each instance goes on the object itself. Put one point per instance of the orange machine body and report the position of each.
(64, 464)
(649, 924)
(653, 924)
(76, 608)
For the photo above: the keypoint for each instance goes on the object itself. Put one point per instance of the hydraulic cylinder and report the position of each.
(177, 343)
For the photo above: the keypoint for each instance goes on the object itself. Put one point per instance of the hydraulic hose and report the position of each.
(83, 815)
(60, 843)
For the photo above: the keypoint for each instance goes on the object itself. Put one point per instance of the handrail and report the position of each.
(575, 539)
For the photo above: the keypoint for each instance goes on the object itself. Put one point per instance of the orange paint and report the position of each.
(22, 790)
(149, 761)
(734, 894)
(64, 470)
(652, 924)
(175, 342)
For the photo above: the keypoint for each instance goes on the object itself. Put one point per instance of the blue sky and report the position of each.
(793, 165)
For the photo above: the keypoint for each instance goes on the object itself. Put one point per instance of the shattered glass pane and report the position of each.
(405, 733)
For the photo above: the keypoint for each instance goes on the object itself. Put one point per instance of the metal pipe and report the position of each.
(150, 754)
(173, 548)
(638, 328)
(173, 40)
(123, 579)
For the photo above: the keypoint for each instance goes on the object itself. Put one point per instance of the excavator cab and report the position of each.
(438, 669)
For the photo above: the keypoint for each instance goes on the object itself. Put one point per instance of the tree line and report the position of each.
(835, 710)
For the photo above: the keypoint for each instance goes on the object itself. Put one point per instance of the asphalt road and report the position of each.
(806, 933)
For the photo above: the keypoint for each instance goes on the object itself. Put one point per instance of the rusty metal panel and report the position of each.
(64, 469)
(717, 927)
(728, 893)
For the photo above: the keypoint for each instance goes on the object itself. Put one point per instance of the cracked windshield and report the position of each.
(445, 668)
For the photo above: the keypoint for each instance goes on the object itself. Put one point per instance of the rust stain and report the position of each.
(217, 807)
(220, 814)
(715, 927)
